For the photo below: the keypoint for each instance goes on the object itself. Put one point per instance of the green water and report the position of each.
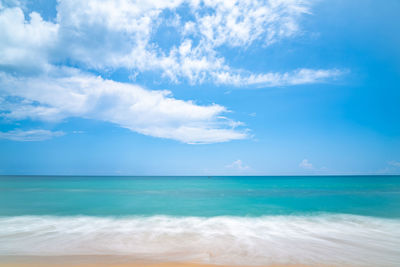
(377, 196)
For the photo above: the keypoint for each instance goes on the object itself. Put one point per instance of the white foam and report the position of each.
(327, 239)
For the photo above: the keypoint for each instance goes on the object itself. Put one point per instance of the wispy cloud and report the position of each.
(30, 135)
(54, 97)
(128, 29)
(238, 165)
(305, 164)
(123, 33)
(106, 35)
(272, 79)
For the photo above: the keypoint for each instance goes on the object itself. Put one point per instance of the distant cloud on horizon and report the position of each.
(305, 164)
(238, 165)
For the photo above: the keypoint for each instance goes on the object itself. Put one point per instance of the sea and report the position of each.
(228, 220)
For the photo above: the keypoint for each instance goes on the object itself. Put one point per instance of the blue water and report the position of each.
(199, 196)
(334, 220)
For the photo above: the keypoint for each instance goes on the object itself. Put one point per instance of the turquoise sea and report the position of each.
(337, 220)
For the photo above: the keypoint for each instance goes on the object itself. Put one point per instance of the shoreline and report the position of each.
(116, 261)
(136, 264)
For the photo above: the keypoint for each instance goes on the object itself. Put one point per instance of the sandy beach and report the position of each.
(114, 261)
(127, 265)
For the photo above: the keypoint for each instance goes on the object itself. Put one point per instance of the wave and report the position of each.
(315, 239)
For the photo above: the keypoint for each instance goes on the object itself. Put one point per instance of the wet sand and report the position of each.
(127, 265)
(109, 261)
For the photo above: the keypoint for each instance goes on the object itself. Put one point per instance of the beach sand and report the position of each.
(127, 265)
(107, 261)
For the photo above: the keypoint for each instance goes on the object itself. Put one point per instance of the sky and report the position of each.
(199, 87)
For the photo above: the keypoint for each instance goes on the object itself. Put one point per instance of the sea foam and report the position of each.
(315, 239)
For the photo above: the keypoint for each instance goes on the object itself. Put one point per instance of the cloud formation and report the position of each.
(30, 135)
(25, 45)
(108, 34)
(305, 164)
(38, 81)
(123, 33)
(300, 76)
(67, 93)
(238, 165)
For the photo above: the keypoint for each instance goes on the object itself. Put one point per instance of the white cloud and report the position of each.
(30, 135)
(25, 45)
(239, 23)
(300, 76)
(121, 33)
(108, 34)
(238, 165)
(53, 97)
(305, 164)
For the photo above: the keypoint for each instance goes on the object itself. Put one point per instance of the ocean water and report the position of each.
(331, 220)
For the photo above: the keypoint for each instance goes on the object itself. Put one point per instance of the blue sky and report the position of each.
(199, 87)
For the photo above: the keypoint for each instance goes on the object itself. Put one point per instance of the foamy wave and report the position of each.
(317, 239)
